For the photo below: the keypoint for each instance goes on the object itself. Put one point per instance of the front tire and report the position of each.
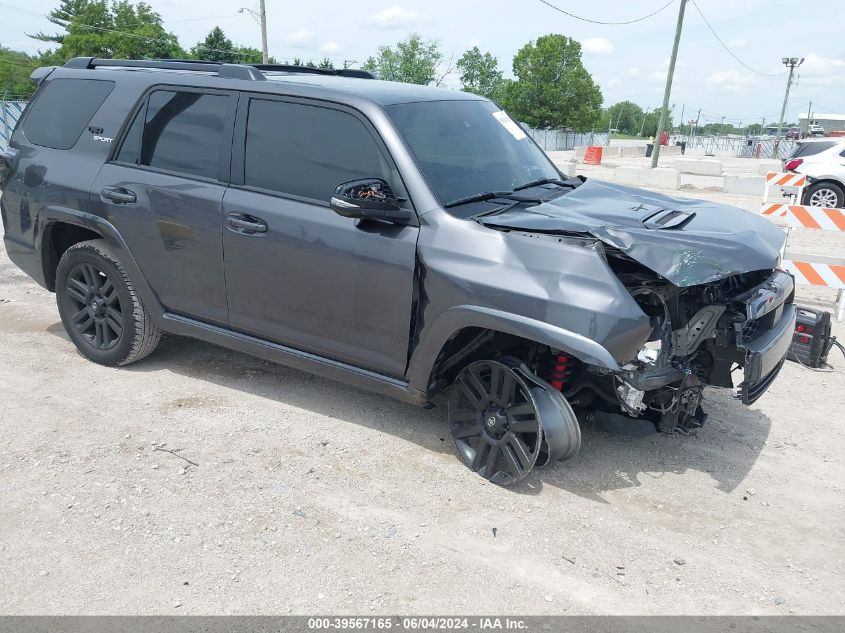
(100, 309)
(824, 194)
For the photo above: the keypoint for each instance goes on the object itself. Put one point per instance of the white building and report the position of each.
(830, 122)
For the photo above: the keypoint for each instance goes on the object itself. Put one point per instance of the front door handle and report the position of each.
(118, 195)
(245, 224)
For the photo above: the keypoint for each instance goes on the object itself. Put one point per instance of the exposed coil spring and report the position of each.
(560, 372)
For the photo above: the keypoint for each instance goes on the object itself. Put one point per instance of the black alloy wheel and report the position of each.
(100, 308)
(97, 311)
(494, 422)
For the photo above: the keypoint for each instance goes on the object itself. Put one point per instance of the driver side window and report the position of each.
(306, 151)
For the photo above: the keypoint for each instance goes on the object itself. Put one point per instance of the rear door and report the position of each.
(163, 191)
(297, 272)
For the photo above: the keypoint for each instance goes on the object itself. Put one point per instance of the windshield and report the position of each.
(469, 147)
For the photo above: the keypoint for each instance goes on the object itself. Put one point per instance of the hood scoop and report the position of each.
(668, 219)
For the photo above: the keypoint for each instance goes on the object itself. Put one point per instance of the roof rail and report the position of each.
(232, 71)
(338, 72)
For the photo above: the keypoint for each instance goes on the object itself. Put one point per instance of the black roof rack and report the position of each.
(337, 72)
(232, 71)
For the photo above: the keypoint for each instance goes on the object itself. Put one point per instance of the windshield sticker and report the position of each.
(509, 124)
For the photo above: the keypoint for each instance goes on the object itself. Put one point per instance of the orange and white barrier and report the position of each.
(814, 274)
(785, 179)
(801, 216)
(808, 270)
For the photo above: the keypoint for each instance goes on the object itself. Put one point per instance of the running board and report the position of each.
(290, 357)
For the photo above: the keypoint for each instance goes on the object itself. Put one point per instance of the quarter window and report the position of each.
(307, 151)
(61, 112)
(183, 132)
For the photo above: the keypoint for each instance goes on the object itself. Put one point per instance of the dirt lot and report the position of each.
(311, 497)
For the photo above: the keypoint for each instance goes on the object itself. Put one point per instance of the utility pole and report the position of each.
(681, 131)
(664, 113)
(722, 127)
(792, 63)
(809, 116)
(642, 127)
(261, 18)
(264, 57)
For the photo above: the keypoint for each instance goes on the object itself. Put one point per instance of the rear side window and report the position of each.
(182, 132)
(306, 150)
(62, 111)
(810, 149)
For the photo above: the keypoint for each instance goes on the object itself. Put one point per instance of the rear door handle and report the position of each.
(118, 195)
(245, 223)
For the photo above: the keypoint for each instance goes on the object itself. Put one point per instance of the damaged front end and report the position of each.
(734, 332)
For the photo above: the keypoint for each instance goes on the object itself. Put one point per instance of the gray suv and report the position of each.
(399, 238)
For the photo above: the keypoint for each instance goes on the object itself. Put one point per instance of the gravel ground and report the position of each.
(305, 496)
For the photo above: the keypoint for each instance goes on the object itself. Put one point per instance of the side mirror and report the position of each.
(368, 199)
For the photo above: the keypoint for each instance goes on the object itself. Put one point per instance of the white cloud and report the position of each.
(634, 71)
(397, 18)
(729, 80)
(738, 43)
(657, 75)
(614, 82)
(822, 71)
(330, 47)
(597, 46)
(298, 38)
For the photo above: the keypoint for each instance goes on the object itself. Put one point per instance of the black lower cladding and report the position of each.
(764, 355)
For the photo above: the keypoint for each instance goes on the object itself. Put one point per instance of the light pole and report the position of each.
(261, 18)
(792, 63)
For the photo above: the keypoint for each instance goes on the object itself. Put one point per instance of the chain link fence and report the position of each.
(10, 112)
(742, 147)
(562, 140)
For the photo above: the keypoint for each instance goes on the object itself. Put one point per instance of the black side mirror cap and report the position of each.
(368, 199)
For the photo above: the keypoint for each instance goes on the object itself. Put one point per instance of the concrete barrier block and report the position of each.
(670, 150)
(579, 152)
(766, 165)
(659, 178)
(744, 184)
(567, 168)
(632, 151)
(698, 166)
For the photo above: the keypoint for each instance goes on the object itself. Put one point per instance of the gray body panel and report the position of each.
(368, 303)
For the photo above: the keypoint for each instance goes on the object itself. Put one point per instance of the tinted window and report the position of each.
(132, 142)
(306, 150)
(469, 147)
(62, 111)
(810, 149)
(183, 132)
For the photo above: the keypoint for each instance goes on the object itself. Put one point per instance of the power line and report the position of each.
(591, 21)
(725, 46)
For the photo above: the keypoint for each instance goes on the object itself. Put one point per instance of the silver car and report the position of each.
(823, 162)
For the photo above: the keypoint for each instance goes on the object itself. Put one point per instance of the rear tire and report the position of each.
(824, 194)
(100, 310)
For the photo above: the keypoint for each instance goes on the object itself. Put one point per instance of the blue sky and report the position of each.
(628, 62)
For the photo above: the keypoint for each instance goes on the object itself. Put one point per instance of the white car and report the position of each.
(816, 130)
(823, 162)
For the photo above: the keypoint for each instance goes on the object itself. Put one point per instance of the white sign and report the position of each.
(509, 124)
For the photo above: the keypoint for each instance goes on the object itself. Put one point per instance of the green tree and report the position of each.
(15, 68)
(480, 73)
(216, 47)
(413, 61)
(119, 30)
(552, 87)
(62, 16)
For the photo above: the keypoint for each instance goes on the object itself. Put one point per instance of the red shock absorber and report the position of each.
(560, 371)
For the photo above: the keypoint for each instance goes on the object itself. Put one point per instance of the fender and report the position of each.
(463, 316)
(50, 215)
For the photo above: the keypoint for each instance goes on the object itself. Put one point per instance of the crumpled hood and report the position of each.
(689, 242)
